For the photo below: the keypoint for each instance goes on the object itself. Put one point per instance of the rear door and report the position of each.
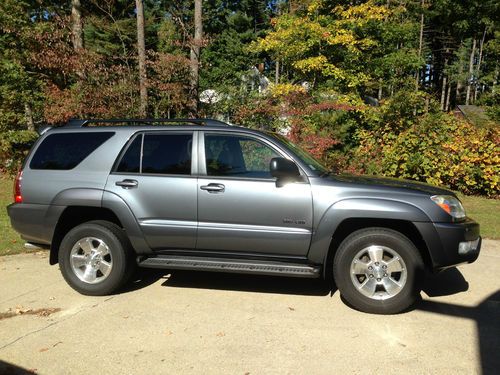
(155, 177)
(240, 208)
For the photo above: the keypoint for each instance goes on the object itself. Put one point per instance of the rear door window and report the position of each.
(131, 160)
(158, 153)
(65, 151)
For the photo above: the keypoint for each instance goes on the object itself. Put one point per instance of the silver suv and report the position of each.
(203, 195)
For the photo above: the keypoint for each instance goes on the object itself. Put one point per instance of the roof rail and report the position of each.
(79, 123)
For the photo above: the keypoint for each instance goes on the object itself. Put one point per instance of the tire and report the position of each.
(378, 270)
(96, 258)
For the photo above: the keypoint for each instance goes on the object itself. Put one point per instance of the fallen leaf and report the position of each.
(43, 350)
(291, 308)
(220, 334)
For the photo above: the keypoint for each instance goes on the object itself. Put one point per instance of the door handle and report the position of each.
(213, 188)
(127, 184)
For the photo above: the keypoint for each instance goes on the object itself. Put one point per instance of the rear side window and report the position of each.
(161, 154)
(131, 160)
(66, 150)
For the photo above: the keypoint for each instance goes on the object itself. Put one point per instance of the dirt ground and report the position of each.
(191, 322)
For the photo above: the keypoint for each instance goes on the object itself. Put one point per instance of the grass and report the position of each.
(10, 242)
(483, 210)
(486, 212)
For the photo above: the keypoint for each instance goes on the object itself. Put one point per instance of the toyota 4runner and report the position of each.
(203, 195)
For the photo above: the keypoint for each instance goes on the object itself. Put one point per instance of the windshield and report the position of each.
(304, 156)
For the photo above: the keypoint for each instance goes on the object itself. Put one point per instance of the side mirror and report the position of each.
(284, 170)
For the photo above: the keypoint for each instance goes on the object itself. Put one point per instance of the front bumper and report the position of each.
(451, 244)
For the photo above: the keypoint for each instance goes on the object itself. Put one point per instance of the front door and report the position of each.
(240, 208)
(155, 179)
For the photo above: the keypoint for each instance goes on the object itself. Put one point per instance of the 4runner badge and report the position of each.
(293, 221)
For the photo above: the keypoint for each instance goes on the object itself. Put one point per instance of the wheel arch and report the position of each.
(76, 215)
(351, 225)
(346, 216)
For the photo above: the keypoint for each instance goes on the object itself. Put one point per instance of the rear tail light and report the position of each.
(18, 198)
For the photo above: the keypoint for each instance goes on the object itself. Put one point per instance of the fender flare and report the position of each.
(120, 208)
(70, 197)
(358, 208)
(101, 199)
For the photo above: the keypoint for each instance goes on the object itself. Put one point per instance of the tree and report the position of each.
(195, 55)
(141, 54)
(76, 25)
(322, 42)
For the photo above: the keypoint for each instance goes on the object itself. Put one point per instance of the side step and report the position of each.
(232, 265)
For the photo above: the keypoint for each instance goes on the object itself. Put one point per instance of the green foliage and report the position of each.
(437, 149)
(320, 43)
(491, 104)
(323, 58)
(14, 146)
(19, 86)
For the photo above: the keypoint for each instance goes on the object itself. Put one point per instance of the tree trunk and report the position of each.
(141, 52)
(471, 72)
(495, 81)
(480, 59)
(448, 95)
(420, 44)
(277, 72)
(460, 85)
(444, 84)
(28, 114)
(443, 93)
(195, 55)
(76, 25)
(380, 91)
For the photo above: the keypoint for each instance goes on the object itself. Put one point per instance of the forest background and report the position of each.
(401, 88)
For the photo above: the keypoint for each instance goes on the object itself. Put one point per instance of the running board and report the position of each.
(232, 265)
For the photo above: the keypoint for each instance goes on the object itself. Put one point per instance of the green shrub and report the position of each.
(14, 146)
(437, 149)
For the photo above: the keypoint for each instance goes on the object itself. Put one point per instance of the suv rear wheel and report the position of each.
(95, 258)
(378, 270)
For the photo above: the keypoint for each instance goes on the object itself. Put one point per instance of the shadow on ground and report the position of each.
(10, 369)
(486, 314)
(250, 283)
(445, 283)
(487, 317)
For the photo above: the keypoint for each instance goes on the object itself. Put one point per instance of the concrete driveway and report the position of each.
(189, 322)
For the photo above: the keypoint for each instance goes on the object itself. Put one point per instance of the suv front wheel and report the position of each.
(378, 270)
(95, 258)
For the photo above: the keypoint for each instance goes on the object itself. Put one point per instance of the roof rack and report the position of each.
(79, 123)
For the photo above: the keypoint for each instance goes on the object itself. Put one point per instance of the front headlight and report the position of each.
(450, 204)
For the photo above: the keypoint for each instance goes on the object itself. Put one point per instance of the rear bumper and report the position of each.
(451, 244)
(34, 222)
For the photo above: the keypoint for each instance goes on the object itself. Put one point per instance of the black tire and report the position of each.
(355, 285)
(119, 255)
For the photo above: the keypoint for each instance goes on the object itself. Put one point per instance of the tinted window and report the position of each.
(167, 153)
(67, 150)
(237, 156)
(131, 160)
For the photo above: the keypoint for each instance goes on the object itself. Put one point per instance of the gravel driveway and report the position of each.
(190, 322)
